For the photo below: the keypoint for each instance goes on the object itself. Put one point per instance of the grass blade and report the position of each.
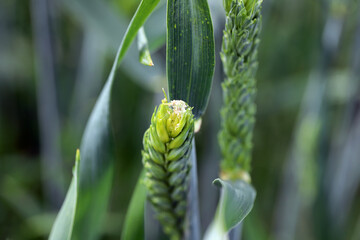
(63, 225)
(190, 57)
(236, 201)
(142, 13)
(134, 221)
(96, 169)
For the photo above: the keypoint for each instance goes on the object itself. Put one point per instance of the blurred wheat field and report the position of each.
(54, 60)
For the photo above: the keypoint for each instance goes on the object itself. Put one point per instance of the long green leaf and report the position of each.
(96, 170)
(63, 225)
(236, 201)
(190, 54)
(142, 13)
(134, 221)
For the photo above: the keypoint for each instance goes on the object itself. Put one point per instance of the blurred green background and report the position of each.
(55, 57)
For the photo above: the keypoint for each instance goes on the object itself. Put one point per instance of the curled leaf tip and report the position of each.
(217, 182)
(147, 62)
(145, 59)
(144, 52)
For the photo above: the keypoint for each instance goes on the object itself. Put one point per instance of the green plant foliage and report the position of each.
(96, 169)
(305, 141)
(134, 221)
(63, 225)
(103, 20)
(239, 57)
(236, 201)
(144, 10)
(167, 148)
(190, 56)
(95, 173)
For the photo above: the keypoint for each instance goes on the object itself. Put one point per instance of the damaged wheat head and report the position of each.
(167, 148)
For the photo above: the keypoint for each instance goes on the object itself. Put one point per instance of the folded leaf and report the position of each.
(144, 52)
(96, 169)
(63, 225)
(236, 201)
(134, 221)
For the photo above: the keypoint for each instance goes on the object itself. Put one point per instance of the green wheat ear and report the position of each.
(167, 148)
(239, 57)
